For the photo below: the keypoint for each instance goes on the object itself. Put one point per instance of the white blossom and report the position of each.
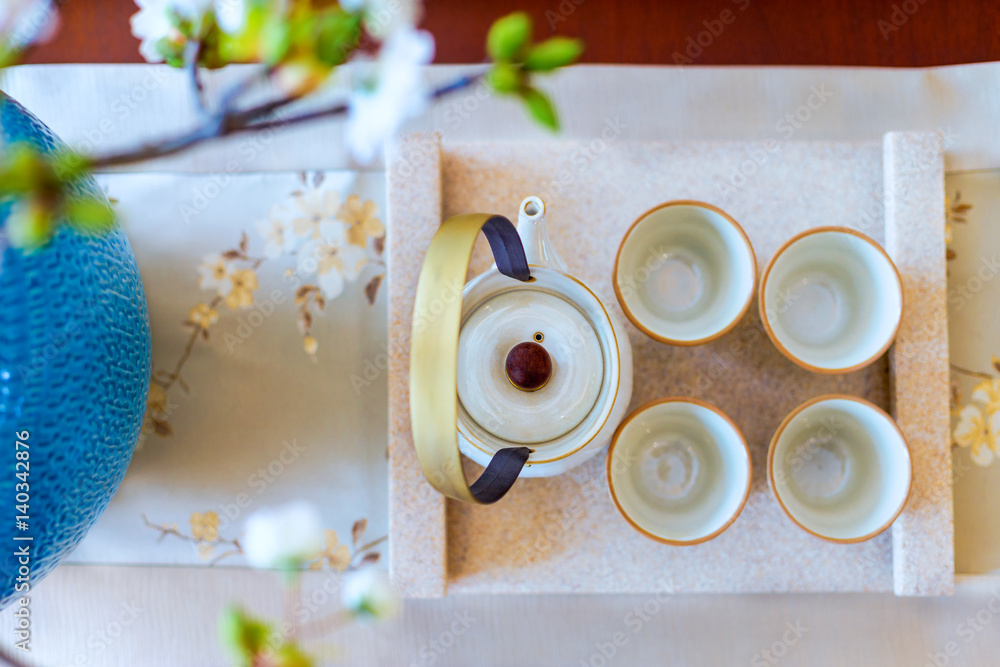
(377, 112)
(213, 272)
(153, 22)
(369, 595)
(24, 22)
(333, 258)
(277, 232)
(385, 17)
(230, 15)
(283, 536)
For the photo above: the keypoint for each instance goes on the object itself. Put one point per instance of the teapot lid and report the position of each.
(530, 366)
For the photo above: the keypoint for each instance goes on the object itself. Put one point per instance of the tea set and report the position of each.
(525, 370)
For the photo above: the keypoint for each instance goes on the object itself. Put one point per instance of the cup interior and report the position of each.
(679, 471)
(685, 273)
(832, 300)
(840, 468)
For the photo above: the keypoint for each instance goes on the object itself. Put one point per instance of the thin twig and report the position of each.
(975, 374)
(209, 130)
(293, 593)
(225, 554)
(339, 617)
(192, 340)
(229, 122)
(9, 660)
(247, 116)
(192, 54)
(336, 110)
(368, 547)
(231, 96)
(170, 530)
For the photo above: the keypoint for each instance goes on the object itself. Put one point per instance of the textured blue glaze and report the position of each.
(74, 372)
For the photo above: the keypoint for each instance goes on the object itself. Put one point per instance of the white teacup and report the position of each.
(831, 300)
(685, 273)
(840, 468)
(679, 470)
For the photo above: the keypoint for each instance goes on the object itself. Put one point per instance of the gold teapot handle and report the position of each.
(437, 314)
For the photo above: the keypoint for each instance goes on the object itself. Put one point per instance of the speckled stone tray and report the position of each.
(563, 534)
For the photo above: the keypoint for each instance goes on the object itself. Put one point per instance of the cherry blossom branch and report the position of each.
(363, 549)
(186, 354)
(192, 53)
(165, 530)
(336, 110)
(230, 122)
(10, 660)
(971, 373)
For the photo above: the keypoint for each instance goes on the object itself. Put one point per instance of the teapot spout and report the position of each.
(531, 228)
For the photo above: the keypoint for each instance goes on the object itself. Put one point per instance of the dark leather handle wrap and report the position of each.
(506, 465)
(507, 249)
(500, 474)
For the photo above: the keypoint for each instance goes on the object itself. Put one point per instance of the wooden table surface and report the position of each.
(886, 33)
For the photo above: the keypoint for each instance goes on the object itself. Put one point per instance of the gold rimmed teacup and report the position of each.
(679, 471)
(685, 273)
(831, 300)
(840, 468)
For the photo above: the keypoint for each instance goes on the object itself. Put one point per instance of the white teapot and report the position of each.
(525, 371)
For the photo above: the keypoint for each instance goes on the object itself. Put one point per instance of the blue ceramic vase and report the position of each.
(74, 373)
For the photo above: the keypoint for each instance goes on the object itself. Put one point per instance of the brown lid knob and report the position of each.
(528, 366)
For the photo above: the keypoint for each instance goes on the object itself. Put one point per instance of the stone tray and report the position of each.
(563, 534)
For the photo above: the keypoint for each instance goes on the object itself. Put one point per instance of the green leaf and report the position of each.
(244, 45)
(290, 655)
(69, 166)
(29, 225)
(90, 215)
(22, 169)
(339, 36)
(243, 635)
(553, 53)
(8, 55)
(505, 78)
(275, 41)
(508, 35)
(540, 107)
